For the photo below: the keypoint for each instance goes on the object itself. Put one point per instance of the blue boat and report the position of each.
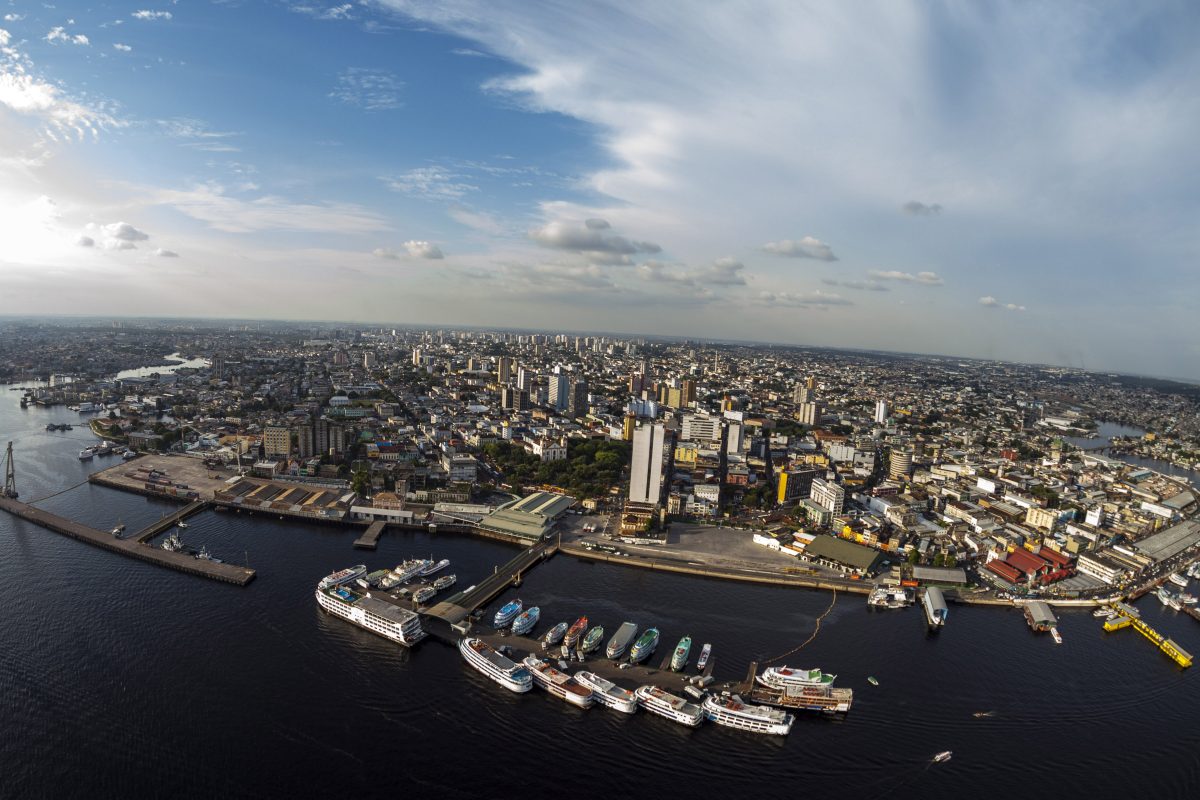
(525, 622)
(507, 613)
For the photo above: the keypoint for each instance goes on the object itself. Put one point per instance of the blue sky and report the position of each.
(1008, 180)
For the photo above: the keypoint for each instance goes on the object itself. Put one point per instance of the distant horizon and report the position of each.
(580, 332)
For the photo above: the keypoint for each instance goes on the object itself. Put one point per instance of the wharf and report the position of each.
(166, 523)
(459, 606)
(1177, 654)
(370, 537)
(180, 562)
(827, 700)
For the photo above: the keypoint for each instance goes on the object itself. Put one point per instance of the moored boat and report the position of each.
(935, 607)
(554, 635)
(507, 613)
(679, 658)
(389, 621)
(423, 594)
(575, 631)
(558, 683)
(620, 641)
(1178, 580)
(592, 640)
(644, 646)
(445, 582)
(495, 665)
(665, 704)
(607, 693)
(731, 712)
(336, 579)
(525, 621)
(431, 567)
(783, 677)
(702, 661)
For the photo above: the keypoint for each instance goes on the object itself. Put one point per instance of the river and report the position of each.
(120, 679)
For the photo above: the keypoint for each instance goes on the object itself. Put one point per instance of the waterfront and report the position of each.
(152, 682)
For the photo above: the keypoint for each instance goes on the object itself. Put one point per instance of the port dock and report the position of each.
(825, 699)
(181, 562)
(1180, 656)
(370, 537)
(166, 523)
(459, 606)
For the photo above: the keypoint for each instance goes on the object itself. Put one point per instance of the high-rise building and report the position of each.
(504, 369)
(560, 390)
(828, 495)
(507, 396)
(881, 412)
(900, 463)
(577, 405)
(808, 413)
(795, 484)
(700, 428)
(628, 427)
(524, 378)
(689, 392)
(645, 478)
(734, 437)
(277, 441)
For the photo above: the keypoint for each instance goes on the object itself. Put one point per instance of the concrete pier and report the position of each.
(181, 562)
(370, 537)
(166, 523)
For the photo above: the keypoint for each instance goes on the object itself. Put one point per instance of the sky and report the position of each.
(1008, 180)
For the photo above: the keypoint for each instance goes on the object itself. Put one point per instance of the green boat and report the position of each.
(592, 640)
(644, 646)
(679, 659)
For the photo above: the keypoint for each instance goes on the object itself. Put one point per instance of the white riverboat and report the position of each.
(495, 665)
(558, 683)
(665, 704)
(731, 712)
(389, 621)
(607, 693)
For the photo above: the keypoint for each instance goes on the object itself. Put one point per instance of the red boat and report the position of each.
(575, 631)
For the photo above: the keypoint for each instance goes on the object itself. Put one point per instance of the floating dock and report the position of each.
(181, 562)
(1180, 656)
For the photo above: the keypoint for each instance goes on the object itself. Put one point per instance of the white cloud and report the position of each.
(807, 247)
(124, 231)
(593, 238)
(815, 299)
(124, 48)
(865, 286)
(992, 302)
(12, 18)
(419, 249)
(922, 278)
(59, 34)
(209, 203)
(113, 236)
(28, 95)
(151, 15)
(85, 241)
(371, 89)
(429, 183)
(164, 253)
(337, 12)
(915, 208)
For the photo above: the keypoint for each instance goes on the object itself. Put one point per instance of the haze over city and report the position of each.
(1001, 181)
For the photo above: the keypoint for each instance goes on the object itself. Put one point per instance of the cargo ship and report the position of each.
(730, 711)
(575, 631)
(558, 683)
(607, 693)
(592, 640)
(554, 635)
(389, 621)
(644, 646)
(784, 677)
(935, 607)
(525, 621)
(507, 613)
(494, 665)
(679, 658)
(665, 704)
(619, 643)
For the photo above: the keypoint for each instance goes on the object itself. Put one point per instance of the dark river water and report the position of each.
(118, 678)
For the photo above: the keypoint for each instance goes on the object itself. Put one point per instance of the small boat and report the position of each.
(554, 635)
(1056, 635)
(524, 623)
(702, 662)
(1101, 612)
(679, 658)
(983, 714)
(945, 755)
(86, 455)
(592, 640)
(1178, 580)
(118, 529)
(507, 613)
(204, 555)
(432, 567)
(174, 544)
(871, 679)
(575, 631)
(181, 524)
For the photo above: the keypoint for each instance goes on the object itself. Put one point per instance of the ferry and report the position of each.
(430, 567)
(524, 623)
(935, 607)
(423, 594)
(404, 572)
(499, 668)
(665, 704)
(644, 646)
(507, 613)
(575, 631)
(679, 658)
(702, 661)
(389, 621)
(336, 579)
(607, 693)
(444, 582)
(592, 640)
(554, 635)
(558, 683)
(1178, 580)
(86, 454)
(618, 644)
(888, 597)
(733, 713)
(783, 677)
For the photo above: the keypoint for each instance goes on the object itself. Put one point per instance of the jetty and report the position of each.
(180, 562)
(459, 606)
(369, 539)
(170, 521)
(1177, 654)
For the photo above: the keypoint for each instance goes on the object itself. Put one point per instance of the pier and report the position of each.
(166, 523)
(370, 537)
(825, 699)
(459, 606)
(181, 562)
(1177, 654)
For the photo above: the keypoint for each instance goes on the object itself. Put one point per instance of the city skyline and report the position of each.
(1006, 183)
